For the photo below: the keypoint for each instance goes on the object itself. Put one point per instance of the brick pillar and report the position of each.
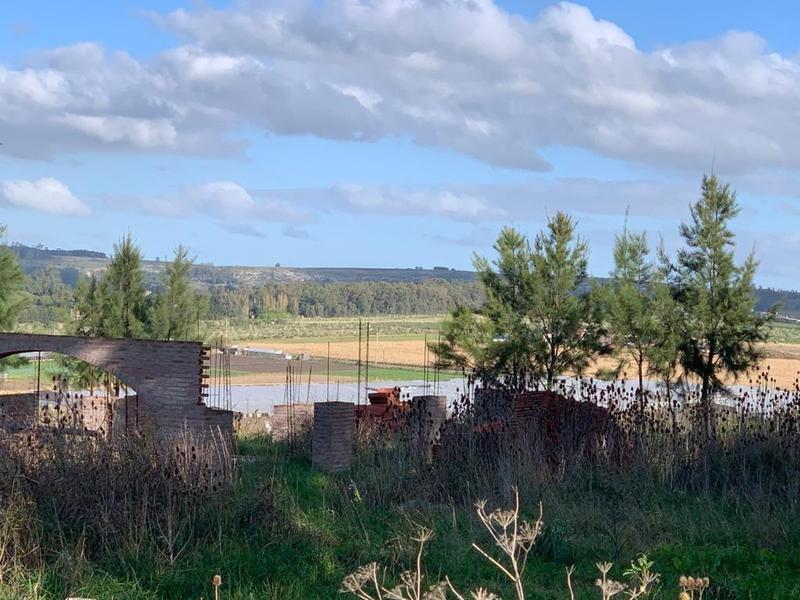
(332, 439)
(428, 413)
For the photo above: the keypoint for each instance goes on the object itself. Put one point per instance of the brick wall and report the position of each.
(291, 418)
(220, 422)
(17, 411)
(166, 375)
(428, 414)
(332, 438)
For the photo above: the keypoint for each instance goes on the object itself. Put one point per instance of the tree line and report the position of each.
(52, 300)
(314, 299)
(670, 318)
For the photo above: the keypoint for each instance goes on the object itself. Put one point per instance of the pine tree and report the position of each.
(89, 306)
(631, 317)
(568, 323)
(537, 322)
(12, 280)
(125, 311)
(663, 357)
(721, 331)
(177, 308)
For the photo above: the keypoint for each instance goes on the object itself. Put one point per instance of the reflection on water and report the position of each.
(249, 398)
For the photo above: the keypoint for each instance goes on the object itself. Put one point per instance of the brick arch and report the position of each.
(166, 375)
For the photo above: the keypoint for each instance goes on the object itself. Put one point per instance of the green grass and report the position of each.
(386, 374)
(307, 329)
(314, 329)
(28, 371)
(785, 333)
(291, 532)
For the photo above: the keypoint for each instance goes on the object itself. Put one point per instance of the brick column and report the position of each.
(332, 439)
(428, 413)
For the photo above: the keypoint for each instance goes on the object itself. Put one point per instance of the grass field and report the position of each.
(290, 532)
(302, 329)
(785, 333)
(397, 348)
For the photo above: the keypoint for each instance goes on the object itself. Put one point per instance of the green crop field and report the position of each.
(785, 333)
(299, 329)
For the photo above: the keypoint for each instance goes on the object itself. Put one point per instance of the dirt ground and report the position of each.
(782, 360)
(386, 351)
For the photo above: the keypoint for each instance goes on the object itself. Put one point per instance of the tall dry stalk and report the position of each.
(513, 538)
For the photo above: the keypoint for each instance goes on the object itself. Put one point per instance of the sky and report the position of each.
(394, 133)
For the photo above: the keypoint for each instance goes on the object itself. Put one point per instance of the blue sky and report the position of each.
(393, 132)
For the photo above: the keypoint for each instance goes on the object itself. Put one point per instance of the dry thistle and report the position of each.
(216, 581)
(689, 585)
(513, 537)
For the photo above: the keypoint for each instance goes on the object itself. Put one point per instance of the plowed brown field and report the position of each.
(783, 360)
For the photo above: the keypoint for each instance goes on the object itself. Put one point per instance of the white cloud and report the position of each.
(43, 195)
(461, 206)
(222, 200)
(496, 203)
(139, 133)
(464, 75)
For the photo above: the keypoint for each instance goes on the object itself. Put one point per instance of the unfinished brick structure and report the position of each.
(332, 438)
(17, 411)
(290, 420)
(167, 376)
(428, 414)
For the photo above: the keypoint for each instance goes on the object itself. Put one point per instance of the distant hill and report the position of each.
(86, 262)
(41, 253)
(72, 264)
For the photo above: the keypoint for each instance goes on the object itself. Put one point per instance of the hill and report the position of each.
(86, 262)
(72, 264)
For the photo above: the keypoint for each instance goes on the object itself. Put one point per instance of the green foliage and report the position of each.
(341, 299)
(178, 308)
(721, 330)
(631, 300)
(124, 306)
(12, 297)
(288, 531)
(90, 307)
(535, 324)
(50, 298)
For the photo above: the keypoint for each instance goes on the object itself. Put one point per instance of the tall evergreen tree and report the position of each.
(125, 311)
(631, 318)
(177, 308)
(537, 322)
(12, 280)
(663, 357)
(722, 331)
(89, 307)
(567, 318)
